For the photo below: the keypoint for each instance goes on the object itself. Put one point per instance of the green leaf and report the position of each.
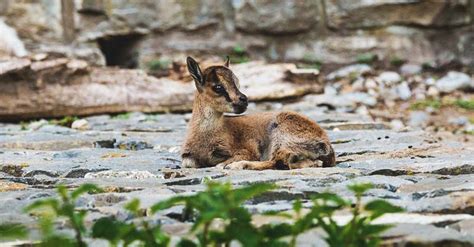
(374, 229)
(380, 207)
(186, 243)
(58, 240)
(51, 203)
(111, 229)
(360, 189)
(243, 194)
(297, 205)
(167, 203)
(275, 231)
(278, 213)
(62, 191)
(133, 206)
(85, 188)
(13, 231)
(326, 197)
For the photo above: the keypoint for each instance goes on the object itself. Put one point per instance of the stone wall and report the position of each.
(131, 33)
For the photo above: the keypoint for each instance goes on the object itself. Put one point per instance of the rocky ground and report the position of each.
(137, 156)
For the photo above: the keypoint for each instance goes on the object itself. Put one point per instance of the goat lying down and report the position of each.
(274, 140)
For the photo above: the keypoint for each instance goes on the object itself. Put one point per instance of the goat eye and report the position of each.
(218, 89)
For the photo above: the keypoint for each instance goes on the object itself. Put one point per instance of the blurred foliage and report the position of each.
(367, 58)
(396, 61)
(218, 218)
(65, 121)
(158, 64)
(239, 55)
(122, 116)
(437, 104)
(423, 104)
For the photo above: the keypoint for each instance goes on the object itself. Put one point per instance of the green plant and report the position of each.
(12, 231)
(65, 121)
(52, 208)
(437, 104)
(219, 218)
(367, 58)
(118, 232)
(422, 104)
(158, 64)
(360, 231)
(220, 202)
(396, 61)
(122, 116)
(465, 104)
(239, 55)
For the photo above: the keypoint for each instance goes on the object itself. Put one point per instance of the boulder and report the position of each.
(276, 17)
(64, 87)
(10, 43)
(377, 13)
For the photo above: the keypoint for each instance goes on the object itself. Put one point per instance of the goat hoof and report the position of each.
(239, 165)
(221, 166)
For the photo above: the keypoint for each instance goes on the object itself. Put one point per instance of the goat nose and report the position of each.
(243, 98)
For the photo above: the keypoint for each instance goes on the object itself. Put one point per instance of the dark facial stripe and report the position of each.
(215, 78)
(226, 96)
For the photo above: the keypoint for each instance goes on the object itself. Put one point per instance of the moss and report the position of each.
(437, 104)
(122, 116)
(465, 104)
(24, 125)
(469, 132)
(239, 55)
(422, 104)
(367, 58)
(158, 64)
(396, 61)
(65, 121)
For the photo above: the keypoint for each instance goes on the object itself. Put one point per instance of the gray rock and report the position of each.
(403, 91)
(426, 235)
(276, 16)
(454, 81)
(389, 77)
(410, 69)
(342, 100)
(418, 119)
(377, 13)
(397, 124)
(10, 43)
(464, 227)
(354, 70)
(459, 121)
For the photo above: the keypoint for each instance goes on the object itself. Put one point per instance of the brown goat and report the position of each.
(281, 140)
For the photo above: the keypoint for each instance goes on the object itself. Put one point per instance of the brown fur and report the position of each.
(282, 140)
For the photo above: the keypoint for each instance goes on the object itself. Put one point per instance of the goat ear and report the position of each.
(196, 73)
(227, 62)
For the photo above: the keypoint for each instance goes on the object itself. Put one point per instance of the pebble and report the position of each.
(410, 69)
(80, 124)
(418, 119)
(433, 92)
(389, 77)
(354, 70)
(453, 81)
(396, 124)
(403, 91)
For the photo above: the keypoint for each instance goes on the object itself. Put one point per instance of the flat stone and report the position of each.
(10, 186)
(276, 17)
(351, 70)
(426, 235)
